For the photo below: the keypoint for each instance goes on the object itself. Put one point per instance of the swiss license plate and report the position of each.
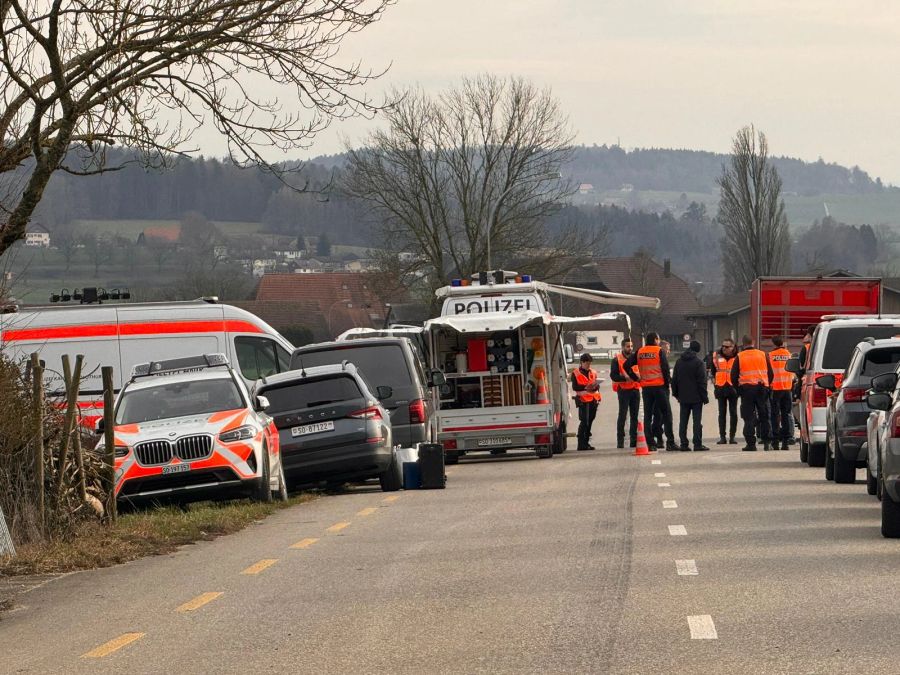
(500, 440)
(316, 428)
(176, 468)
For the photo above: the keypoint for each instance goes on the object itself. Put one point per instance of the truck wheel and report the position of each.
(816, 454)
(392, 478)
(263, 492)
(559, 440)
(451, 458)
(890, 517)
(871, 483)
(804, 451)
(844, 471)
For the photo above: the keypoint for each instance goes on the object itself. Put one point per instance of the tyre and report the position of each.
(844, 470)
(392, 478)
(890, 517)
(451, 458)
(281, 492)
(544, 451)
(804, 451)
(262, 492)
(559, 440)
(816, 454)
(879, 485)
(871, 483)
(829, 464)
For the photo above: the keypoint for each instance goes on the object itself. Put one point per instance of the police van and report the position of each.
(125, 335)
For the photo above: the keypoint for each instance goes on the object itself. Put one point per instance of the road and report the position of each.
(590, 562)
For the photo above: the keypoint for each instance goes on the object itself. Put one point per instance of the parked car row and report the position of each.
(850, 406)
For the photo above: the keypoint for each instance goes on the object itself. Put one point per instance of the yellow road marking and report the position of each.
(112, 646)
(256, 568)
(367, 512)
(198, 602)
(392, 498)
(337, 527)
(305, 543)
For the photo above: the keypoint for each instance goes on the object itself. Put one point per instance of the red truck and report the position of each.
(788, 305)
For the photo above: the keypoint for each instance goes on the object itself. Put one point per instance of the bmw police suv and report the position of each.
(188, 429)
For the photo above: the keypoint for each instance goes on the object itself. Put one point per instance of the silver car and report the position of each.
(885, 396)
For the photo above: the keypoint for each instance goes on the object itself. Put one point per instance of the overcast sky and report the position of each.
(820, 77)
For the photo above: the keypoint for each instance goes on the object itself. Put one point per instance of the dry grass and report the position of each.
(152, 532)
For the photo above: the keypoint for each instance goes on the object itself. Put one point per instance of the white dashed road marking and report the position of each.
(659, 475)
(702, 627)
(677, 530)
(670, 504)
(656, 461)
(663, 485)
(686, 568)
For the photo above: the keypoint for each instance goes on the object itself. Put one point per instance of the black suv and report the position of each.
(847, 414)
(393, 362)
(331, 427)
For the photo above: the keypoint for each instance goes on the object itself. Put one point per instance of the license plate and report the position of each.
(502, 440)
(316, 428)
(176, 468)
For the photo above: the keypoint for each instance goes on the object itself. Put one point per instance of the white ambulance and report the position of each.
(124, 335)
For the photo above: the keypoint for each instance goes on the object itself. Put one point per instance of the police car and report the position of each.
(188, 428)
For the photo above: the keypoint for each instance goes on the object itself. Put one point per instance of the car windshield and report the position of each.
(840, 342)
(178, 399)
(880, 361)
(380, 364)
(311, 393)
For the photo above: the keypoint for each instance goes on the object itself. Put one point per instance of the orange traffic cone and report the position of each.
(641, 448)
(542, 398)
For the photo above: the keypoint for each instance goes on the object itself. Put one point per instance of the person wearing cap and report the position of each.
(628, 392)
(587, 396)
(689, 389)
(648, 365)
(752, 372)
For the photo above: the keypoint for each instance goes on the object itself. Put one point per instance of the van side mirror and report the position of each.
(99, 427)
(878, 400)
(383, 391)
(884, 382)
(262, 404)
(437, 378)
(826, 382)
(792, 365)
(569, 353)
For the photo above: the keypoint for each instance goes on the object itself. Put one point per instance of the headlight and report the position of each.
(122, 450)
(239, 434)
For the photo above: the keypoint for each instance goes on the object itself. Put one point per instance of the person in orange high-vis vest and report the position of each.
(629, 393)
(649, 366)
(585, 386)
(752, 373)
(780, 402)
(724, 390)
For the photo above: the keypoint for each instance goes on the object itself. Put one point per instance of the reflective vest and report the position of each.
(628, 383)
(585, 380)
(754, 367)
(783, 380)
(650, 367)
(723, 369)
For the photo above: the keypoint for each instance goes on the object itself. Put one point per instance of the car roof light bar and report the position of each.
(187, 364)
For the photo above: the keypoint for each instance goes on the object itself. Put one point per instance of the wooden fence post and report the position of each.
(109, 421)
(72, 380)
(37, 389)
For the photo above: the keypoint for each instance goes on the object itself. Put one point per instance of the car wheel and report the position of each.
(890, 517)
(871, 483)
(804, 451)
(844, 471)
(281, 492)
(392, 478)
(544, 451)
(816, 454)
(559, 440)
(263, 492)
(829, 458)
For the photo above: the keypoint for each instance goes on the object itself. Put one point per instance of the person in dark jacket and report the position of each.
(628, 392)
(689, 389)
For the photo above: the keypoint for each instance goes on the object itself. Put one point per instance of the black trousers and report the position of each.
(755, 413)
(657, 414)
(728, 404)
(586, 414)
(782, 419)
(629, 405)
(689, 410)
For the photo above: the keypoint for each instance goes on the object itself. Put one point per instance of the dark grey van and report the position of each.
(384, 362)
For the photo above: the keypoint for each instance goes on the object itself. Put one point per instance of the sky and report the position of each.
(819, 77)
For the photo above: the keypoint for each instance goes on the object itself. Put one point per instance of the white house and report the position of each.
(37, 236)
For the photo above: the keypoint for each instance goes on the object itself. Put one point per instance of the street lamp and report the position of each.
(493, 214)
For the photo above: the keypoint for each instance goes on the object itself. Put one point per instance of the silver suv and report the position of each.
(885, 395)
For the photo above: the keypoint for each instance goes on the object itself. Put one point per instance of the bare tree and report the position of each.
(471, 172)
(757, 241)
(160, 250)
(77, 77)
(67, 240)
(99, 250)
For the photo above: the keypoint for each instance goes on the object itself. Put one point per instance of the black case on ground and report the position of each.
(431, 466)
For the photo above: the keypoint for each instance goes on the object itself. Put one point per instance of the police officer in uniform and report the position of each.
(724, 391)
(650, 367)
(587, 396)
(752, 372)
(629, 393)
(780, 403)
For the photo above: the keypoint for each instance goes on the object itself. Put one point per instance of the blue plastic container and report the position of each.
(412, 477)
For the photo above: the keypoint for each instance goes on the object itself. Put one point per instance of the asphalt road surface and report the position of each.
(590, 562)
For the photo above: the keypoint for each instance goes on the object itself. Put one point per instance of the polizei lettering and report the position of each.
(486, 305)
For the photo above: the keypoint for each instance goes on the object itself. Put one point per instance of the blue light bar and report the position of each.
(526, 278)
(456, 283)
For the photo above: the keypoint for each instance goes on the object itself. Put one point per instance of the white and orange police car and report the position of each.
(188, 429)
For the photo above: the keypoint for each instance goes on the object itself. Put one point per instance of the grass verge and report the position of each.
(154, 531)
